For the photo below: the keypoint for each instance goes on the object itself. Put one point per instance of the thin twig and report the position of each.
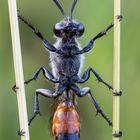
(116, 76)
(24, 131)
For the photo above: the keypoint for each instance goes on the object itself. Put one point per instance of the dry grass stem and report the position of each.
(116, 73)
(18, 70)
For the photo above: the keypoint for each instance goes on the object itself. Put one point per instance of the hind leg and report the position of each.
(86, 91)
(46, 93)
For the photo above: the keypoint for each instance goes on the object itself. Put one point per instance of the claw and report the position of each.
(21, 132)
(34, 115)
(117, 134)
(97, 113)
(115, 93)
(28, 81)
(38, 112)
(14, 88)
(119, 17)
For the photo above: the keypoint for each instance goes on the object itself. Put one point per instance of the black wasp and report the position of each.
(66, 57)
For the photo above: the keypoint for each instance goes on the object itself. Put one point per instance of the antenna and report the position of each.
(72, 8)
(60, 7)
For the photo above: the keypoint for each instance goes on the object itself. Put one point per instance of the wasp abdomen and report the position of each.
(66, 124)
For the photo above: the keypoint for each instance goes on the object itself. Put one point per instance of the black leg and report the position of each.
(35, 30)
(99, 110)
(46, 43)
(91, 42)
(43, 92)
(86, 91)
(86, 76)
(46, 93)
(46, 74)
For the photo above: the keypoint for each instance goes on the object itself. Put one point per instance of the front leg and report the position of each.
(46, 43)
(91, 42)
(86, 76)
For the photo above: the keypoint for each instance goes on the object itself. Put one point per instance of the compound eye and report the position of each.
(81, 29)
(58, 29)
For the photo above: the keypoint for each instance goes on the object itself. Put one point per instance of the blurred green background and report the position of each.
(95, 15)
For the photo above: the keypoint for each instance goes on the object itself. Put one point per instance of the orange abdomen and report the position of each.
(66, 120)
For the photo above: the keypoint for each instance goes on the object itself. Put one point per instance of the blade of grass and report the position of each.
(18, 70)
(116, 73)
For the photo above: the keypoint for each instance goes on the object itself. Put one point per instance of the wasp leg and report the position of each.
(86, 76)
(46, 93)
(99, 110)
(46, 43)
(86, 91)
(91, 42)
(46, 74)
(43, 92)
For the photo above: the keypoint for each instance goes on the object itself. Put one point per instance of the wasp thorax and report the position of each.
(68, 29)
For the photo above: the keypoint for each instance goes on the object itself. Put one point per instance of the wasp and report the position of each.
(66, 60)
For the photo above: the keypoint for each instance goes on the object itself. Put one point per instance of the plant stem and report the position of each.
(116, 75)
(18, 70)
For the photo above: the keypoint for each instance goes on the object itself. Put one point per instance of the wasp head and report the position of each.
(68, 28)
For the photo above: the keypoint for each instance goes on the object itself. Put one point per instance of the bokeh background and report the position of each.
(96, 15)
